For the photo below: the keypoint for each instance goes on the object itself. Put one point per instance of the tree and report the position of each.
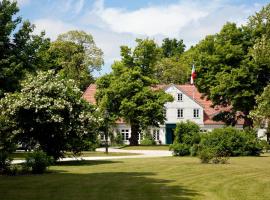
(170, 67)
(233, 66)
(75, 55)
(126, 92)
(172, 47)
(261, 113)
(49, 111)
(21, 50)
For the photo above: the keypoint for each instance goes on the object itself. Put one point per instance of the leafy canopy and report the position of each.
(21, 51)
(50, 112)
(127, 93)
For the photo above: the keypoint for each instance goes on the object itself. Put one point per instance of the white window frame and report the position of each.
(180, 113)
(125, 134)
(196, 113)
(179, 96)
(156, 134)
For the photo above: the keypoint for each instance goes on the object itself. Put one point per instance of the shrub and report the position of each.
(206, 155)
(187, 133)
(147, 140)
(214, 155)
(5, 161)
(194, 150)
(180, 149)
(232, 141)
(117, 140)
(187, 138)
(38, 162)
(265, 145)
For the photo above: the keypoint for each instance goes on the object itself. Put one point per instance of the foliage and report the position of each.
(171, 70)
(172, 47)
(126, 92)
(233, 142)
(261, 113)
(187, 137)
(7, 143)
(38, 162)
(75, 55)
(187, 132)
(147, 140)
(50, 111)
(21, 51)
(116, 139)
(180, 149)
(233, 65)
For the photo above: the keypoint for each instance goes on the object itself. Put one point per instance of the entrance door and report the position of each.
(170, 133)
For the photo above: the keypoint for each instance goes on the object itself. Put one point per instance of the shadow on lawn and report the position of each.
(85, 162)
(97, 186)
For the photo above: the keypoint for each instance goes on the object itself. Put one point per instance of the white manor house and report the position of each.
(188, 104)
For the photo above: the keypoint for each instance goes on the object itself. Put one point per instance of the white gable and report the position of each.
(187, 104)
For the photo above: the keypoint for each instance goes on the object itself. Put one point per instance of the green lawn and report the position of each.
(22, 155)
(155, 147)
(171, 178)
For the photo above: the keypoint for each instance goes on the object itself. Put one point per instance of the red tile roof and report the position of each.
(190, 90)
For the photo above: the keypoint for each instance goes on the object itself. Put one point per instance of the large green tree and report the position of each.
(233, 66)
(20, 50)
(170, 67)
(127, 91)
(261, 113)
(75, 55)
(49, 111)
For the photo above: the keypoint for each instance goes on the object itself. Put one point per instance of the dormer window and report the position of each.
(179, 97)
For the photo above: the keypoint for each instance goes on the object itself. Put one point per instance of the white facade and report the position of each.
(183, 108)
(186, 103)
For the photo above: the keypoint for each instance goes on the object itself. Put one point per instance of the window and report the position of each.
(179, 97)
(125, 134)
(180, 113)
(196, 113)
(156, 134)
(102, 136)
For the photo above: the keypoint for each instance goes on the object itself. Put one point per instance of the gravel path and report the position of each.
(143, 154)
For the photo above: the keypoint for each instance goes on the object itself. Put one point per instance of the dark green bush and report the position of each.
(180, 149)
(38, 162)
(187, 138)
(5, 161)
(232, 142)
(187, 133)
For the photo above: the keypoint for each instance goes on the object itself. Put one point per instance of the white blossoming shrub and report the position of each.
(50, 112)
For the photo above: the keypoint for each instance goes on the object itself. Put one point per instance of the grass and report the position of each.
(154, 147)
(22, 155)
(172, 178)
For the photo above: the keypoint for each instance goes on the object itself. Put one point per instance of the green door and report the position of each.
(170, 133)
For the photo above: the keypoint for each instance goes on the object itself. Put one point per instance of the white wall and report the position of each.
(188, 104)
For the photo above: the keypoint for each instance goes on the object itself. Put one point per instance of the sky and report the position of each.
(113, 23)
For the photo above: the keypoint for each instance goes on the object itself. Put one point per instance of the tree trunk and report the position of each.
(133, 140)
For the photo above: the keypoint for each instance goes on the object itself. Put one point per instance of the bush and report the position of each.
(5, 162)
(214, 155)
(38, 162)
(194, 150)
(180, 149)
(187, 133)
(117, 139)
(265, 145)
(187, 138)
(147, 140)
(232, 141)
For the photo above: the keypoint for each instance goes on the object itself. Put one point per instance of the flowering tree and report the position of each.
(49, 111)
